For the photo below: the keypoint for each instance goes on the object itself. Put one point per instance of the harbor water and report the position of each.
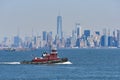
(84, 64)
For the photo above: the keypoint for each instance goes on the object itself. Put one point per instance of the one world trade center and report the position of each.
(59, 26)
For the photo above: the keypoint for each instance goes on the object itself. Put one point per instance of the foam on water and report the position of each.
(68, 62)
(9, 62)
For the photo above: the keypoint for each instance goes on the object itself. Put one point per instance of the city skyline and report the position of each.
(33, 17)
(79, 38)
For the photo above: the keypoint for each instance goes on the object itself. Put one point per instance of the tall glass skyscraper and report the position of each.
(44, 35)
(59, 26)
(118, 38)
(78, 30)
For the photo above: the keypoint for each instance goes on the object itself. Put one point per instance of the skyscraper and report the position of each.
(104, 38)
(44, 35)
(86, 33)
(16, 41)
(59, 26)
(78, 30)
(44, 42)
(118, 38)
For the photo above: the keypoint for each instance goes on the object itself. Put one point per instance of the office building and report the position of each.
(118, 38)
(44, 35)
(103, 40)
(105, 37)
(97, 32)
(49, 39)
(16, 41)
(59, 26)
(78, 30)
(86, 34)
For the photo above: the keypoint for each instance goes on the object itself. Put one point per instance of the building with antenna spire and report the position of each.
(59, 26)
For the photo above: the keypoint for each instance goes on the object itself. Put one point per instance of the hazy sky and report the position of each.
(41, 15)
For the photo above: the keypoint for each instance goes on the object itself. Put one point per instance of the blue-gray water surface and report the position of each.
(87, 64)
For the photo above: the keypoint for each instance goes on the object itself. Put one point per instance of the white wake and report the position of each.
(9, 62)
(68, 62)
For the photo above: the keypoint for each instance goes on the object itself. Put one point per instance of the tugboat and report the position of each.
(47, 58)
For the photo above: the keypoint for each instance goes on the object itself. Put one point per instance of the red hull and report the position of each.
(43, 59)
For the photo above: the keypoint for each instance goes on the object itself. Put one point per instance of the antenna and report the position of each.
(59, 13)
(32, 32)
(18, 31)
